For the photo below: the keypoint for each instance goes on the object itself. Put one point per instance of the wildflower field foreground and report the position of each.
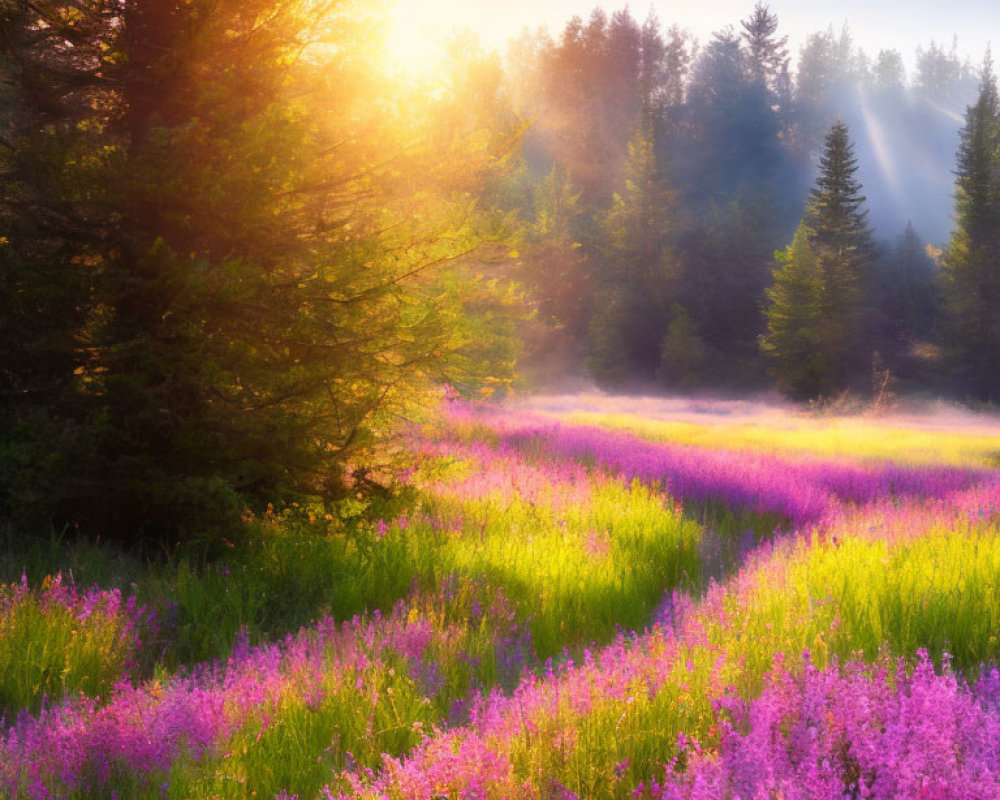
(560, 603)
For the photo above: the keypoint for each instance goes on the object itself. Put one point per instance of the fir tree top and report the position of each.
(835, 212)
(768, 52)
(975, 186)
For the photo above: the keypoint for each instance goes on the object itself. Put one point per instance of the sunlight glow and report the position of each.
(413, 46)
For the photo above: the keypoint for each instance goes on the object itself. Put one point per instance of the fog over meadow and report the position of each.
(765, 412)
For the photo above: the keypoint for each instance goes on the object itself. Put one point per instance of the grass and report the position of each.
(602, 728)
(57, 640)
(579, 574)
(425, 628)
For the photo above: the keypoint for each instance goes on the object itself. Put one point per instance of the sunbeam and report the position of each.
(882, 148)
(953, 116)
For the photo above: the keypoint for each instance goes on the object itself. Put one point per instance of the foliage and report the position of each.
(727, 135)
(795, 320)
(638, 267)
(552, 267)
(57, 641)
(682, 359)
(823, 730)
(911, 282)
(724, 273)
(971, 280)
(593, 86)
(840, 627)
(905, 297)
(254, 290)
(827, 64)
(630, 713)
(835, 217)
(817, 305)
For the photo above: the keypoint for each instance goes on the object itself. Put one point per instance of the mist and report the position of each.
(906, 139)
(763, 411)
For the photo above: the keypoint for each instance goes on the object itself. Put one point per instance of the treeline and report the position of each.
(661, 178)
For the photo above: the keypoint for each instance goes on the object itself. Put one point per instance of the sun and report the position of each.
(413, 43)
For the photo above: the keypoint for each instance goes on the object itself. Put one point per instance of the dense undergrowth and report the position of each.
(550, 610)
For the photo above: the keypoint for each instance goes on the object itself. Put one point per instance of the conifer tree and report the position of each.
(53, 219)
(768, 61)
(816, 306)
(733, 173)
(634, 288)
(971, 264)
(906, 290)
(839, 234)
(794, 342)
(824, 73)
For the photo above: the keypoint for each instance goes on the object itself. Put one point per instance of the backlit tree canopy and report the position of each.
(230, 251)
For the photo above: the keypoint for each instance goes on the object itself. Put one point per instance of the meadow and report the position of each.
(590, 599)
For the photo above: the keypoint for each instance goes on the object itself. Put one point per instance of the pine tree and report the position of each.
(733, 173)
(940, 74)
(795, 338)
(888, 77)
(840, 236)
(53, 218)
(816, 306)
(683, 354)
(908, 292)
(971, 264)
(824, 74)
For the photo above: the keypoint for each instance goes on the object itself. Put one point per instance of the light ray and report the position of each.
(879, 139)
(954, 117)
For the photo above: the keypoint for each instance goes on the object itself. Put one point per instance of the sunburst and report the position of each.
(413, 43)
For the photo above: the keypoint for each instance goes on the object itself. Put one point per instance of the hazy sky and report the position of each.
(875, 24)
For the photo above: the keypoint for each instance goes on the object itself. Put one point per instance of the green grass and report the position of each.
(579, 574)
(575, 575)
(363, 715)
(872, 588)
(48, 651)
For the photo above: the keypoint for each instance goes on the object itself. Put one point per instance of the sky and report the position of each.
(875, 24)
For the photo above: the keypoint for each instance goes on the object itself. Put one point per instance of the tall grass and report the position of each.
(800, 490)
(276, 717)
(58, 641)
(576, 575)
(477, 579)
